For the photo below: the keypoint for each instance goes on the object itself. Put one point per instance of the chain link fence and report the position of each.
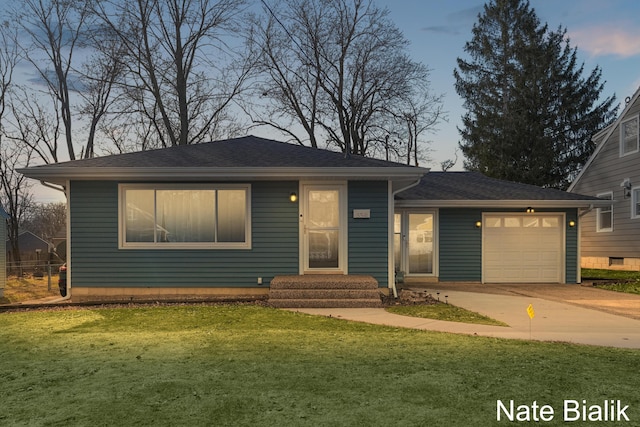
(36, 273)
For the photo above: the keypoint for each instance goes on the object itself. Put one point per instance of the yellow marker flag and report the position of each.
(530, 311)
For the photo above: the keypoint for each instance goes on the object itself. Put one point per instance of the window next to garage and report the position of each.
(184, 216)
(635, 202)
(604, 221)
(629, 136)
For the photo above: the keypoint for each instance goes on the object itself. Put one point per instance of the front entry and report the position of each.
(415, 243)
(323, 220)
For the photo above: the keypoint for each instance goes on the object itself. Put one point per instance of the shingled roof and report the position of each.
(474, 189)
(247, 157)
(248, 151)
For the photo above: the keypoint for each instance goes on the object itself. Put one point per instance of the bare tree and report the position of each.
(449, 163)
(55, 30)
(34, 124)
(181, 75)
(339, 70)
(101, 73)
(46, 219)
(15, 196)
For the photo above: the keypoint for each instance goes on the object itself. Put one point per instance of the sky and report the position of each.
(604, 33)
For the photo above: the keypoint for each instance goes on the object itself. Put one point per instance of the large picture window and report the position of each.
(185, 216)
(604, 221)
(629, 136)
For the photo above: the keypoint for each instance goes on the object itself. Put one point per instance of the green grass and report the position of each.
(19, 289)
(447, 312)
(629, 280)
(627, 287)
(254, 366)
(589, 273)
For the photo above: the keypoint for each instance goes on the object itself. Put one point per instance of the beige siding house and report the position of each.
(611, 235)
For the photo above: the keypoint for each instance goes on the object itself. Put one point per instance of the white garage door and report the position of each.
(523, 248)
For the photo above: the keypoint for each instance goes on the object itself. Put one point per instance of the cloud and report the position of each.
(456, 22)
(610, 40)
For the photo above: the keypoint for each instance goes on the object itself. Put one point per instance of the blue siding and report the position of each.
(461, 244)
(571, 254)
(97, 261)
(368, 238)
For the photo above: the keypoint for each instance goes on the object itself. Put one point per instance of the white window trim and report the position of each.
(634, 200)
(122, 213)
(343, 250)
(622, 153)
(608, 194)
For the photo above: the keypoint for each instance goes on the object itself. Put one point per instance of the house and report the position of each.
(32, 247)
(3, 250)
(228, 217)
(610, 235)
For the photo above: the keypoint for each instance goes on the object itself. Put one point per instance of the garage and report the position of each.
(522, 248)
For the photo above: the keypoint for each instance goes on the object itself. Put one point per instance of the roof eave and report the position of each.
(60, 175)
(536, 204)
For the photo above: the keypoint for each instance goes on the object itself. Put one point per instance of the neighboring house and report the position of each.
(32, 248)
(227, 217)
(3, 250)
(610, 235)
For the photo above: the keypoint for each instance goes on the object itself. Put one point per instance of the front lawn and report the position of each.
(618, 280)
(446, 312)
(238, 365)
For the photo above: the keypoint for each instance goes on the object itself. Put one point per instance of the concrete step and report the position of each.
(324, 294)
(322, 290)
(326, 303)
(324, 281)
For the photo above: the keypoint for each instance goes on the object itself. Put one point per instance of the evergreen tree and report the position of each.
(530, 112)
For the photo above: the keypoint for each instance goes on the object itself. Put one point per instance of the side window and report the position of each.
(629, 136)
(635, 202)
(604, 220)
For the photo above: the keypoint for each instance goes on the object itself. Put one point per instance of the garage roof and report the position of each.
(442, 189)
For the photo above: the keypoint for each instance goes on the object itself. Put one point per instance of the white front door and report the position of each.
(323, 228)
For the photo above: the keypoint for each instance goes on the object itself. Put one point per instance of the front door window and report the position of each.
(414, 242)
(322, 228)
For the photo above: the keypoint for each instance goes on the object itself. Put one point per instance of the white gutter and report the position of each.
(53, 186)
(60, 175)
(586, 211)
(502, 203)
(391, 215)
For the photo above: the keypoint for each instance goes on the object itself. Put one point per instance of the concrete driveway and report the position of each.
(568, 313)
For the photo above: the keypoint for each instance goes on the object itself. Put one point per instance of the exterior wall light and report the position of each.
(530, 210)
(478, 224)
(572, 223)
(293, 197)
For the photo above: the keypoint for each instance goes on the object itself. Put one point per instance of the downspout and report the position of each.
(54, 187)
(63, 189)
(586, 211)
(392, 209)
